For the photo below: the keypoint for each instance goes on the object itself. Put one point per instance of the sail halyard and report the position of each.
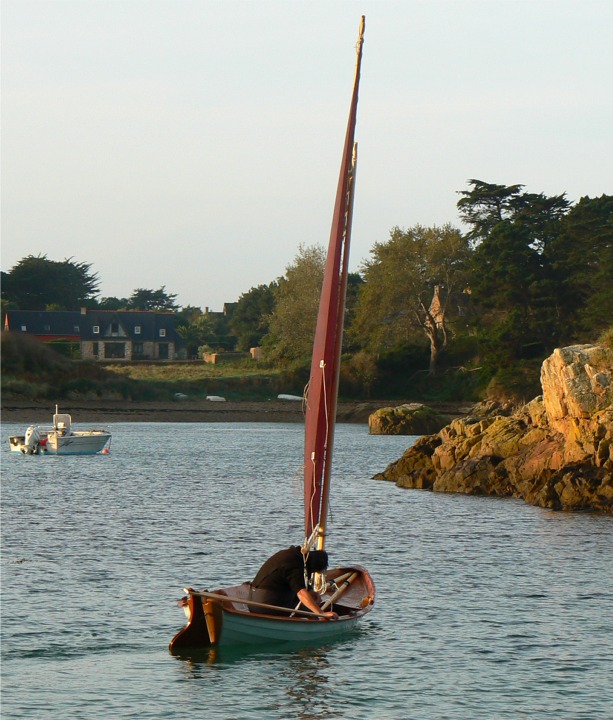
(325, 363)
(325, 492)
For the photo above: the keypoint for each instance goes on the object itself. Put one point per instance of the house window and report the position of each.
(76, 329)
(114, 328)
(24, 328)
(162, 332)
(138, 349)
(96, 329)
(47, 328)
(114, 350)
(163, 351)
(137, 329)
(95, 349)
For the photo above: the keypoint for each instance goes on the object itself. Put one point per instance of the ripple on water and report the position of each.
(485, 608)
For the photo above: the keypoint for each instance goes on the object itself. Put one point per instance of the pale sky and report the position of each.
(196, 143)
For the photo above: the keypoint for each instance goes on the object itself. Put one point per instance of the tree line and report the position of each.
(530, 273)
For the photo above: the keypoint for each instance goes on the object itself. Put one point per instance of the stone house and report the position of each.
(103, 334)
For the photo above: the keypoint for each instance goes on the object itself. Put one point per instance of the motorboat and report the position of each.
(61, 438)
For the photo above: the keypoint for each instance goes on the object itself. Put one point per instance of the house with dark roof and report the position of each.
(49, 326)
(103, 334)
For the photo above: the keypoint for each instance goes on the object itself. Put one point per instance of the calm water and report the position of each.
(486, 608)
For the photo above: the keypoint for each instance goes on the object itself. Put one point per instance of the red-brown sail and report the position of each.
(325, 364)
(229, 615)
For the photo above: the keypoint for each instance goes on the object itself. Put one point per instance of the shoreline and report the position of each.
(32, 412)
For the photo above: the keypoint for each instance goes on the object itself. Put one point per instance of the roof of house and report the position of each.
(138, 326)
(38, 322)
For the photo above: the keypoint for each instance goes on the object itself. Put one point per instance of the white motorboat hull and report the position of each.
(79, 443)
(85, 442)
(60, 439)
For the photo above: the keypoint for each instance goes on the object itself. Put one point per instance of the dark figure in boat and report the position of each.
(283, 580)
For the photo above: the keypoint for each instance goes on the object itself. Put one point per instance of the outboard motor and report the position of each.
(32, 438)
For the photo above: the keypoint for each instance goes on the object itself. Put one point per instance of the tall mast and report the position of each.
(325, 364)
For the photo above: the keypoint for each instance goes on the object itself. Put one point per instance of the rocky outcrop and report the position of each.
(555, 452)
(408, 419)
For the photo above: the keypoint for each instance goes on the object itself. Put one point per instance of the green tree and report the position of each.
(251, 316)
(112, 303)
(196, 329)
(486, 205)
(37, 282)
(513, 280)
(200, 329)
(582, 256)
(505, 276)
(412, 286)
(187, 315)
(360, 372)
(354, 283)
(292, 322)
(144, 299)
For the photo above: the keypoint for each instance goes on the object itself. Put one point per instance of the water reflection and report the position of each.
(304, 673)
(308, 690)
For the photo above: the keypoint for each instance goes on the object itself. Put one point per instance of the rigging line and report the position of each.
(309, 542)
(322, 365)
(327, 436)
(317, 484)
(313, 489)
(305, 557)
(305, 397)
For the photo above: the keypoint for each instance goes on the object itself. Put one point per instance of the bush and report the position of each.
(18, 389)
(24, 354)
(606, 339)
(519, 383)
(358, 374)
(454, 385)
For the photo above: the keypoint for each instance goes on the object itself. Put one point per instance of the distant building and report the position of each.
(226, 312)
(103, 334)
(224, 357)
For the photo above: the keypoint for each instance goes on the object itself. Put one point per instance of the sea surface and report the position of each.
(486, 608)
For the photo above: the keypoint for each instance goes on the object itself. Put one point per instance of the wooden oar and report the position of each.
(345, 585)
(264, 606)
(341, 578)
(336, 581)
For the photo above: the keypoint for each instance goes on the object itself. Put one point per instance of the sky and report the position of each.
(196, 144)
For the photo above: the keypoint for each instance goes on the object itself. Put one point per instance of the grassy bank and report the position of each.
(33, 371)
(187, 372)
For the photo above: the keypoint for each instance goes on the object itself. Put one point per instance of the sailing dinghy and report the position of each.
(227, 616)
